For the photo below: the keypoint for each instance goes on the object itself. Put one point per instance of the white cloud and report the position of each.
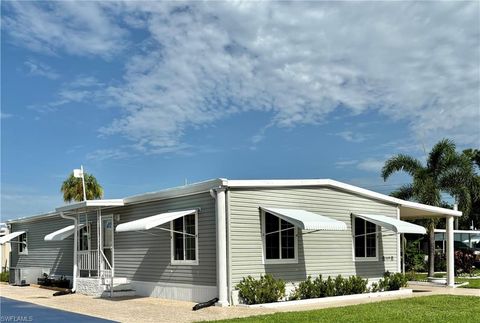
(82, 88)
(371, 165)
(79, 28)
(351, 136)
(40, 69)
(345, 163)
(104, 154)
(5, 115)
(415, 62)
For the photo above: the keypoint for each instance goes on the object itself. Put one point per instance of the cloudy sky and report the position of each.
(148, 95)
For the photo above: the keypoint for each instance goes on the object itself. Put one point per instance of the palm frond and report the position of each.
(399, 163)
(404, 192)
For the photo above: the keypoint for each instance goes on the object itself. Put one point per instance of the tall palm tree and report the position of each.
(445, 171)
(72, 188)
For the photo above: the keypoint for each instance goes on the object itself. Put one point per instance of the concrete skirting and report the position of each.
(333, 299)
(183, 292)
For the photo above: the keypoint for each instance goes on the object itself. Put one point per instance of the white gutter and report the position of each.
(221, 216)
(75, 237)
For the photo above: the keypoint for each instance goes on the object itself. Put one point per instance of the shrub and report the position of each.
(464, 260)
(265, 290)
(392, 281)
(414, 257)
(329, 287)
(5, 276)
(357, 285)
(307, 289)
(440, 262)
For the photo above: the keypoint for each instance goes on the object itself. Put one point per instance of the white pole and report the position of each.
(83, 184)
(221, 248)
(450, 252)
(75, 237)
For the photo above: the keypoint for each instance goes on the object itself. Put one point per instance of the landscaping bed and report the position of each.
(438, 308)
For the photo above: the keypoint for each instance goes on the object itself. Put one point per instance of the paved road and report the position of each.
(17, 311)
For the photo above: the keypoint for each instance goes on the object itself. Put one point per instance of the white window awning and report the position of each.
(152, 221)
(62, 233)
(392, 224)
(306, 220)
(6, 238)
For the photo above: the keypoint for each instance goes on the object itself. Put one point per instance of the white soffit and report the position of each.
(6, 238)
(62, 233)
(306, 220)
(392, 224)
(152, 221)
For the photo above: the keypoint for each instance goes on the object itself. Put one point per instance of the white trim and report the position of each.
(279, 261)
(220, 182)
(377, 232)
(458, 231)
(106, 217)
(399, 250)
(332, 299)
(24, 244)
(90, 203)
(172, 254)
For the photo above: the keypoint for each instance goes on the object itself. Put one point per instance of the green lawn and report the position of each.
(439, 308)
(472, 283)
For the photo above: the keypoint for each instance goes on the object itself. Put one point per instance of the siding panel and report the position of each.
(146, 256)
(56, 255)
(324, 252)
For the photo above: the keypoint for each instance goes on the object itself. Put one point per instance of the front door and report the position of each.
(107, 238)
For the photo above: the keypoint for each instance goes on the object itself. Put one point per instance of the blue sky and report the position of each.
(147, 95)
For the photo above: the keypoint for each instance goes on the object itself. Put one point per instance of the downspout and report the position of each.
(75, 237)
(220, 207)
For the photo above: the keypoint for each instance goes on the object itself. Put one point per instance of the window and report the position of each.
(84, 238)
(365, 239)
(279, 240)
(23, 244)
(185, 240)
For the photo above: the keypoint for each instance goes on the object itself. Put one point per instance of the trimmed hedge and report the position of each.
(267, 289)
(264, 290)
(329, 287)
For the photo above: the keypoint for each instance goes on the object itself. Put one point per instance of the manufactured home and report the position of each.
(197, 242)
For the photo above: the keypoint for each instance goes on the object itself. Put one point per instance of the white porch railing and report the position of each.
(88, 260)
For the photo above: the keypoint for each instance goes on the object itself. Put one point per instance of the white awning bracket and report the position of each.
(306, 220)
(8, 237)
(392, 224)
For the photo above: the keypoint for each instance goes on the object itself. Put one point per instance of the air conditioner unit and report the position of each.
(26, 275)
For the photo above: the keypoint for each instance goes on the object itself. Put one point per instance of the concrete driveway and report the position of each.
(17, 311)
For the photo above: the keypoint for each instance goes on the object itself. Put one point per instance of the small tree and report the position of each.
(72, 188)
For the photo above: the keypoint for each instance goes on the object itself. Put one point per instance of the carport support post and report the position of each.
(450, 253)
(221, 248)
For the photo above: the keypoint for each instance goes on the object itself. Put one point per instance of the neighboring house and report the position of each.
(196, 242)
(4, 248)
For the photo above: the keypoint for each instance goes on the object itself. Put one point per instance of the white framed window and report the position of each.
(279, 240)
(84, 242)
(23, 244)
(365, 240)
(184, 240)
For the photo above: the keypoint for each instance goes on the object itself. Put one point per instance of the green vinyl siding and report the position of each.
(146, 256)
(322, 252)
(56, 255)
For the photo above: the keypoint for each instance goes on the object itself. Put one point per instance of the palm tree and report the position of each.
(445, 171)
(72, 188)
